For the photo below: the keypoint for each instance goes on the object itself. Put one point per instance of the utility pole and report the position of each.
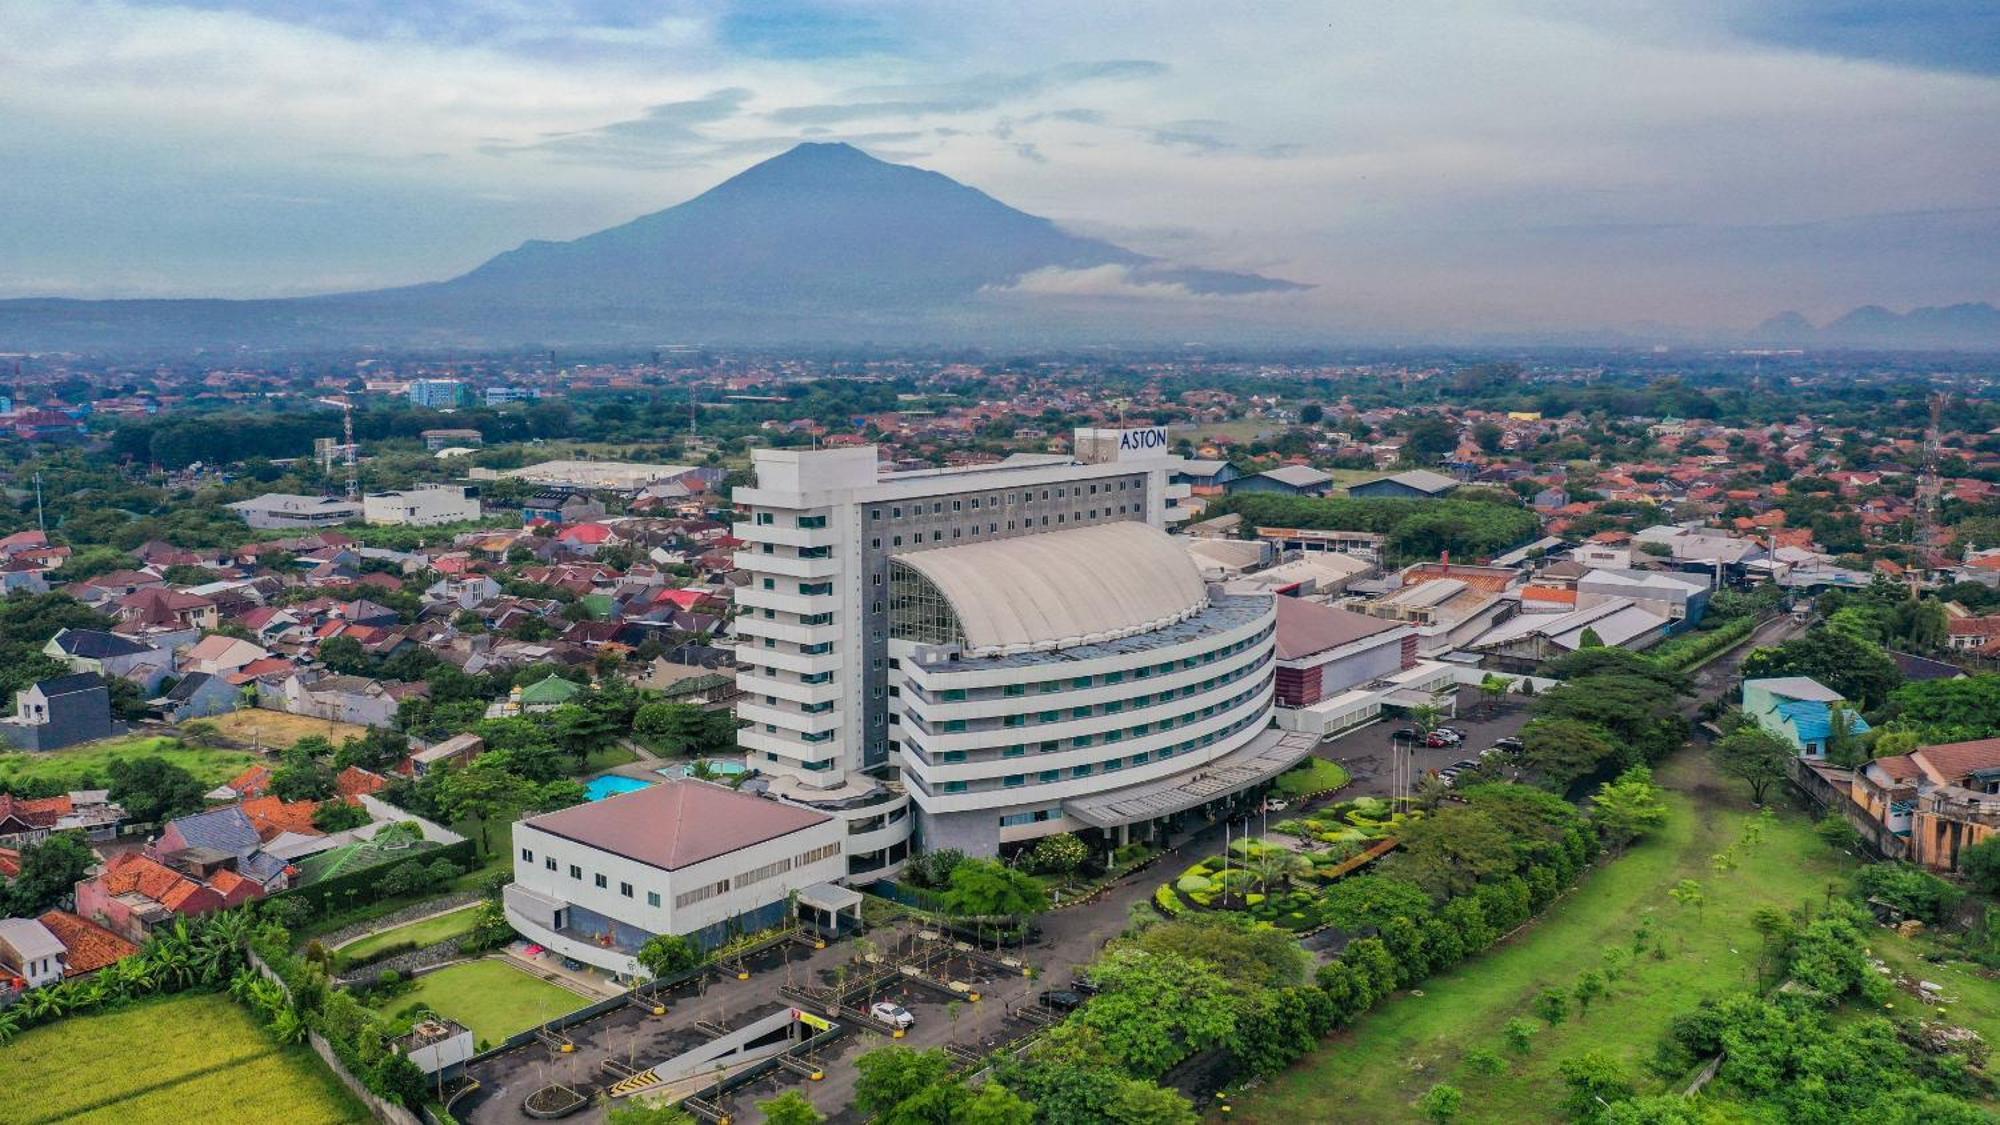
(347, 435)
(41, 521)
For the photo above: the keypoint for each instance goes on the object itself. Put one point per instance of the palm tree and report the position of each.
(1494, 689)
(1277, 866)
(10, 1024)
(1426, 717)
(242, 983)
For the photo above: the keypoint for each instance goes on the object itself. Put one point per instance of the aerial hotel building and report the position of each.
(976, 657)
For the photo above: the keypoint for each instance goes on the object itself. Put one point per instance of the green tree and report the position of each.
(1552, 1006)
(1360, 903)
(1859, 670)
(985, 888)
(1155, 1009)
(1441, 1103)
(1980, 864)
(891, 1076)
(1594, 1080)
(994, 1104)
(1629, 807)
(301, 777)
(1755, 756)
(1061, 853)
(1520, 1035)
(666, 955)
(790, 1108)
(1242, 950)
(1589, 986)
(1688, 893)
(153, 790)
(1562, 750)
(484, 794)
(48, 871)
(1144, 1103)
(1452, 851)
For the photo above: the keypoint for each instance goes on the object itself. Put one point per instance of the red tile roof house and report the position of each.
(135, 895)
(91, 947)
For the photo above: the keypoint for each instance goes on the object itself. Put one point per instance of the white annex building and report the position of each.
(691, 858)
(1005, 651)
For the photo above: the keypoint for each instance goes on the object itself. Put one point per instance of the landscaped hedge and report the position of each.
(329, 896)
(1692, 648)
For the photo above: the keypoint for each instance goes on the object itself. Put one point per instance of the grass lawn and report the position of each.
(1376, 1070)
(260, 727)
(491, 997)
(424, 932)
(196, 1056)
(1314, 775)
(91, 761)
(607, 757)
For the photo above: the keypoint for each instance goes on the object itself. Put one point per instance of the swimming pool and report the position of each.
(722, 768)
(610, 785)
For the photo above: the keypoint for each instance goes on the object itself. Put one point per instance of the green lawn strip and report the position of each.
(74, 764)
(491, 997)
(607, 757)
(122, 1099)
(1377, 1069)
(424, 932)
(1316, 775)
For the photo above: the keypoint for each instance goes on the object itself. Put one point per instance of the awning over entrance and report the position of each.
(830, 897)
(1263, 757)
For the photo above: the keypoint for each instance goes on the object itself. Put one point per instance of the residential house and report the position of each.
(111, 655)
(1940, 799)
(560, 505)
(31, 953)
(458, 750)
(342, 699)
(61, 711)
(1800, 710)
(198, 695)
(220, 655)
(135, 895)
(87, 946)
(162, 608)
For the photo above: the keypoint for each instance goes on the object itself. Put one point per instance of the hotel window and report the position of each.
(1049, 775)
(1014, 751)
(1014, 689)
(550, 863)
(527, 856)
(766, 519)
(601, 881)
(954, 786)
(1080, 771)
(653, 897)
(575, 872)
(625, 889)
(1015, 780)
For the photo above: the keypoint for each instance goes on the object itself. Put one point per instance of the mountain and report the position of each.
(1971, 326)
(822, 242)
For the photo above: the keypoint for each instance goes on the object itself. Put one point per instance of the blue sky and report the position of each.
(1478, 163)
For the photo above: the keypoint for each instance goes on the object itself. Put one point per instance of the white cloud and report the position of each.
(1423, 144)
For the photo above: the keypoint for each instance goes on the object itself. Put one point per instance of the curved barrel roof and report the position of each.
(1062, 588)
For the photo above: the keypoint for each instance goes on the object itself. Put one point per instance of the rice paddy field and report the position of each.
(190, 1057)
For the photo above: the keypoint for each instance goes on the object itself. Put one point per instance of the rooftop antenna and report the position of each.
(347, 436)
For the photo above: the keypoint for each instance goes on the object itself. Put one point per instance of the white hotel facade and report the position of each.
(980, 656)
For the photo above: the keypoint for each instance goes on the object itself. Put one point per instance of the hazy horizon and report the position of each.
(1486, 167)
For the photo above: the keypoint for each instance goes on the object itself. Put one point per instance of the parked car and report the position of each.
(1062, 1000)
(1510, 745)
(1438, 740)
(1276, 804)
(1452, 732)
(892, 1013)
(1409, 734)
(1465, 764)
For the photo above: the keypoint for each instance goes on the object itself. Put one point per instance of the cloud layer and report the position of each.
(1491, 164)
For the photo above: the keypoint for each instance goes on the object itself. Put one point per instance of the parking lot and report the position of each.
(1367, 752)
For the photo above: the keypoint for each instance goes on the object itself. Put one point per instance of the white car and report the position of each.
(893, 1014)
(1276, 804)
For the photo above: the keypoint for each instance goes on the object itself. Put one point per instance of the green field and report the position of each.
(428, 931)
(1376, 1070)
(192, 1057)
(91, 762)
(491, 997)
